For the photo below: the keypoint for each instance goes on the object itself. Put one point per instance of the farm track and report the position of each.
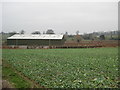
(33, 83)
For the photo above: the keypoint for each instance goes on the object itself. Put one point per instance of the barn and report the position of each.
(35, 40)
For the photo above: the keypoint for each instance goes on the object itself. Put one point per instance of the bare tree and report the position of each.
(66, 33)
(36, 32)
(2, 32)
(12, 33)
(22, 32)
(50, 31)
(102, 37)
(78, 38)
(43, 32)
(77, 32)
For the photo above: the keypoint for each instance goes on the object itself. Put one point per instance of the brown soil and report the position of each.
(102, 43)
(6, 84)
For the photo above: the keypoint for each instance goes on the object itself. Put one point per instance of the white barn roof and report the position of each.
(36, 36)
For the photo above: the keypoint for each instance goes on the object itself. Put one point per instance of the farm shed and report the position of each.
(36, 40)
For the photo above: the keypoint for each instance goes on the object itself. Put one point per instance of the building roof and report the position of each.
(36, 36)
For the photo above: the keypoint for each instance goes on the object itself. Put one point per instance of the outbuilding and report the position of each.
(35, 40)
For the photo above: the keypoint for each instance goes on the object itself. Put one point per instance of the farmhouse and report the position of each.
(35, 40)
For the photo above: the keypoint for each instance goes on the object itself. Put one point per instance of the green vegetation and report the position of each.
(67, 68)
(9, 74)
(3, 38)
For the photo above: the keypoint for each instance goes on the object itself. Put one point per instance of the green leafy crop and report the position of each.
(67, 68)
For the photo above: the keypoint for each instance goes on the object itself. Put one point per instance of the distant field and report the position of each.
(63, 68)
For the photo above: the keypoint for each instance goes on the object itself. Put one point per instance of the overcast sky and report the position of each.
(60, 16)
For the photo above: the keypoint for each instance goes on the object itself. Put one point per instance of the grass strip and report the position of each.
(9, 74)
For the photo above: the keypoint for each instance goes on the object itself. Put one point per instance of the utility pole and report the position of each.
(49, 43)
(16, 42)
(111, 34)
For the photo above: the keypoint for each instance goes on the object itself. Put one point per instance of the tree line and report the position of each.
(49, 31)
(110, 35)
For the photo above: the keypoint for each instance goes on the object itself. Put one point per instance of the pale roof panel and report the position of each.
(31, 36)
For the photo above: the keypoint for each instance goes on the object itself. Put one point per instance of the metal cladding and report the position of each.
(36, 39)
(31, 36)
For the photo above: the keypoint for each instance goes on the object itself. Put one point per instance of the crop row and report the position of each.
(67, 68)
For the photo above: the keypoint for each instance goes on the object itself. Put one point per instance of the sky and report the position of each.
(62, 17)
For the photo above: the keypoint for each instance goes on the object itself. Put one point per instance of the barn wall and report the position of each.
(34, 42)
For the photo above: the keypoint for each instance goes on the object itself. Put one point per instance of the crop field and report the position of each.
(67, 68)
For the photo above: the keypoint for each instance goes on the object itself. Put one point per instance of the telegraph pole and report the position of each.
(49, 43)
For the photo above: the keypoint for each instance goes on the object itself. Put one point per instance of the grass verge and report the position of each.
(10, 75)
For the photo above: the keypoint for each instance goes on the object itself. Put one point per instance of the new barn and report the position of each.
(36, 40)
